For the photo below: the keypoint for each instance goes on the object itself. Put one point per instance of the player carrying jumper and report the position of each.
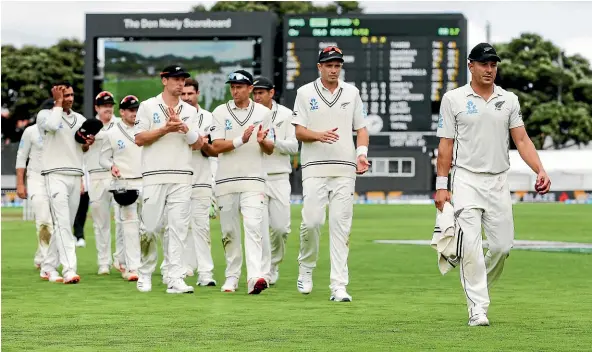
(475, 125)
(276, 216)
(326, 110)
(166, 127)
(62, 170)
(121, 155)
(240, 179)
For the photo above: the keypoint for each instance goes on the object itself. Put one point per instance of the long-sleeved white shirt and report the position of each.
(119, 148)
(30, 148)
(285, 142)
(61, 153)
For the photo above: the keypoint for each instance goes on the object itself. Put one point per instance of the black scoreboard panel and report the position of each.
(402, 64)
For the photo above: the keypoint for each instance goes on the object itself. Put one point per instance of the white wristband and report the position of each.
(237, 142)
(191, 137)
(441, 182)
(362, 150)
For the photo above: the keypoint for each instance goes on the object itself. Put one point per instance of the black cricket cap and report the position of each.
(264, 83)
(129, 102)
(241, 77)
(104, 98)
(174, 71)
(89, 127)
(484, 52)
(331, 53)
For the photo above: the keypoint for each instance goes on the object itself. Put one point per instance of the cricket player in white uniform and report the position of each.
(326, 110)
(198, 250)
(100, 182)
(121, 155)
(62, 170)
(240, 179)
(276, 216)
(166, 128)
(31, 148)
(475, 125)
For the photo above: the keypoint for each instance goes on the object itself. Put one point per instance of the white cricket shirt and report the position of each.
(317, 109)
(30, 148)
(91, 157)
(167, 160)
(202, 172)
(285, 143)
(61, 153)
(240, 170)
(480, 129)
(120, 149)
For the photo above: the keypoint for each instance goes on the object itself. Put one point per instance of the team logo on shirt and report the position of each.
(498, 105)
(344, 105)
(156, 118)
(314, 104)
(440, 121)
(228, 125)
(471, 108)
(120, 144)
(272, 134)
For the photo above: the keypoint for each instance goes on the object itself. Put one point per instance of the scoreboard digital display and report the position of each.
(402, 64)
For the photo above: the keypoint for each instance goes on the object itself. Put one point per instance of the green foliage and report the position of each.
(29, 72)
(531, 69)
(282, 7)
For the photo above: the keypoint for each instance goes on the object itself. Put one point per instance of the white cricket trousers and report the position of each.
(63, 192)
(165, 207)
(198, 246)
(250, 204)
(276, 221)
(40, 202)
(482, 200)
(100, 208)
(338, 193)
(132, 228)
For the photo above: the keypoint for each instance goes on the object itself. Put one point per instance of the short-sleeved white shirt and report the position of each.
(480, 129)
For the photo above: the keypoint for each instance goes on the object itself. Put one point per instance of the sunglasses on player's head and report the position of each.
(128, 98)
(332, 48)
(237, 76)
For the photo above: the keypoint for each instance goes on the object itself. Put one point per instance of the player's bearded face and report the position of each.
(330, 71)
(189, 95)
(174, 85)
(68, 98)
(483, 73)
(262, 96)
(128, 115)
(240, 92)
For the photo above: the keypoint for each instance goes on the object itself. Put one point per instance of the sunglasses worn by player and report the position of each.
(237, 76)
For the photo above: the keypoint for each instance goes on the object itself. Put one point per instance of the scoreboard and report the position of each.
(402, 65)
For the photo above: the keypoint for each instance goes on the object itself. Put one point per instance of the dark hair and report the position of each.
(189, 82)
(62, 83)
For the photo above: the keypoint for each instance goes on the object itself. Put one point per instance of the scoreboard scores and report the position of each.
(402, 65)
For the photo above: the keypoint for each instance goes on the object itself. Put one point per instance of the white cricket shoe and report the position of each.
(81, 243)
(274, 275)
(340, 295)
(230, 285)
(304, 282)
(71, 278)
(479, 320)
(178, 286)
(51, 276)
(256, 286)
(144, 283)
(104, 270)
(206, 280)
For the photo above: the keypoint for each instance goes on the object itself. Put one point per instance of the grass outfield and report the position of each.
(543, 302)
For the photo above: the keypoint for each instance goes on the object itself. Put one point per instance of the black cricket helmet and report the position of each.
(122, 195)
(89, 127)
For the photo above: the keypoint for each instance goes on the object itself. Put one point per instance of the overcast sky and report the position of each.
(566, 23)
